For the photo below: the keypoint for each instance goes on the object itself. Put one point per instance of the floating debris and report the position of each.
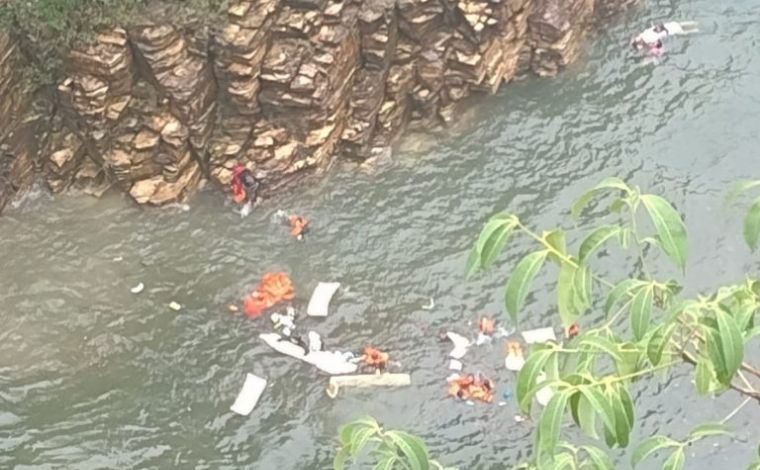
(273, 289)
(320, 299)
(376, 358)
(429, 306)
(175, 306)
(471, 387)
(233, 308)
(486, 325)
(331, 362)
(572, 331)
(118, 258)
(455, 365)
(515, 359)
(249, 395)
(138, 288)
(539, 335)
(461, 345)
(298, 226)
(367, 380)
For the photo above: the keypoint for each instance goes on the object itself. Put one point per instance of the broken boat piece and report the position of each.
(249, 395)
(455, 365)
(539, 335)
(320, 299)
(138, 288)
(367, 380)
(461, 344)
(332, 362)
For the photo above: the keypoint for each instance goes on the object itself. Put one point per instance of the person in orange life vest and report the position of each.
(244, 185)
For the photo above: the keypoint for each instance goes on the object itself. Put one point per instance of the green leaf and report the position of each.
(339, 462)
(596, 239)
(561, 461)
(599, 343)
(649, 446)
(473, 262)
(630, 359)
(703, 376)
(520, 280)
(412, 448)
(602, 406)
(675, 461)
(658, 341)
(587, 417)
(582, 284)
(526, 379)
(732, 348)
(752, 225)
(600, 459)
(641, 311)
(566, 303)
(556, 240)
(708, 429)
(551, 420)
(360, 438)
(387, 463)
(671, 231)
(494, 236)
(607, 183)
(623, 290)
(627, 401)
(739, 188)
(622, 424)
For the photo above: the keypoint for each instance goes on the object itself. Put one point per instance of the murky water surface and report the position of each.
(92, 376)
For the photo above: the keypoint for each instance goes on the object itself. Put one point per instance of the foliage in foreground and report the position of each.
(387, 449)
(631, 328)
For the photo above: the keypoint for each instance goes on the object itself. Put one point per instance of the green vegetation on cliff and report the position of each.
(48, 28)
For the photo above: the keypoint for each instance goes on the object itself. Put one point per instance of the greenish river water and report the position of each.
(92, 376)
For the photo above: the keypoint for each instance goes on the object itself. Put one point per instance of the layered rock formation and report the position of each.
(281, 86)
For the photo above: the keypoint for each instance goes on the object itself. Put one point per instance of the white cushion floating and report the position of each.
(320, 299)
(249, 395)
(332, 362)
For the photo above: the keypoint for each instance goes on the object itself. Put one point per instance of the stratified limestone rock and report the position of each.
(556, 30)
(22, 123)
(281, 86)
(180, 74)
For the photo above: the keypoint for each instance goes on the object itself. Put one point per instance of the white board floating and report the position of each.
(249, 395)
(539, 335)
(332, 362)
(461, 344)
(320, 299)
(367, 380)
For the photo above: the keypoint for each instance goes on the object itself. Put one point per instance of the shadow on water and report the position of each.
(92, 376)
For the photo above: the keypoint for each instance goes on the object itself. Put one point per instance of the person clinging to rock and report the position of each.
(244, 187)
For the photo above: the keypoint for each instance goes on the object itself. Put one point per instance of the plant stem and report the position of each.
(736, 410)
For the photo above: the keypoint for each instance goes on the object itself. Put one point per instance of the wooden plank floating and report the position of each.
(367, 380)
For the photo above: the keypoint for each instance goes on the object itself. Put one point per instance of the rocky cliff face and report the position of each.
(281, 86)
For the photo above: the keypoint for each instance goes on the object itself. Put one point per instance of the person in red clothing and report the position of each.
(244, 185)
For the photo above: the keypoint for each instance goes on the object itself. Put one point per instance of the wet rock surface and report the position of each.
(281, 86)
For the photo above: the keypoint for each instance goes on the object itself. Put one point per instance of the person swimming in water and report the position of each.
(651, 38)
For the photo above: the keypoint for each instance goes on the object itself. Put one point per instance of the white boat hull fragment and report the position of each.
(320, 299)
(249, 395)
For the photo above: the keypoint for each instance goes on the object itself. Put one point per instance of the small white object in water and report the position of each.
(519, 419)
(280, 217)
(502, 403)
(249, 395)
(429, 306)
(246, 209)
(320, 299)
(138, 288)
(539, 335)
(461, 344)
(175, 306)
(315, 342)
(118, 258)
(455, 365)
(470, 403)
(482, 339)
